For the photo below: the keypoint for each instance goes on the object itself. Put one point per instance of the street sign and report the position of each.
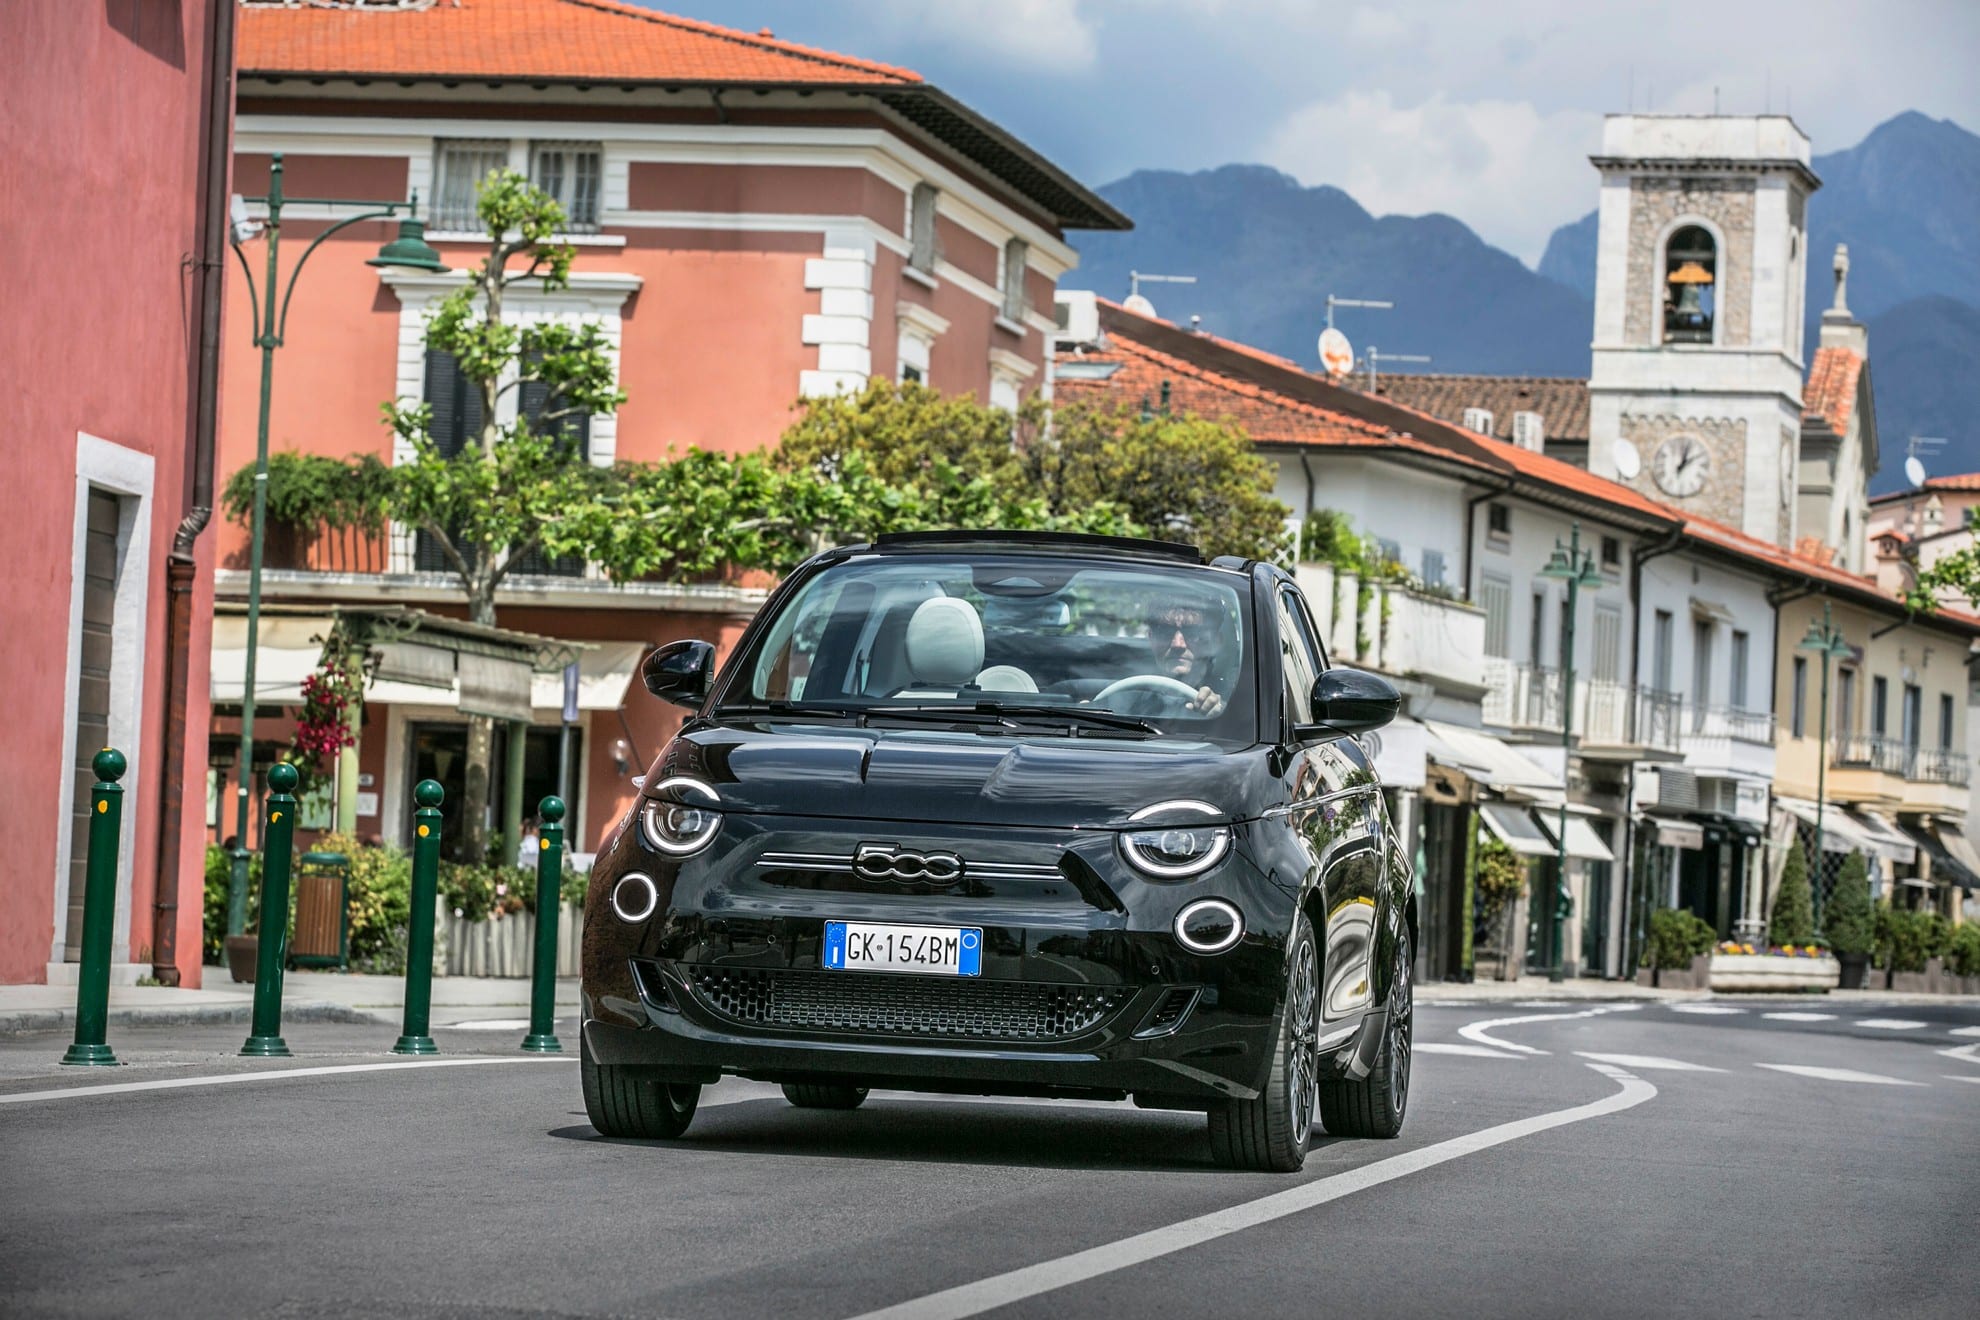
(1336, 354)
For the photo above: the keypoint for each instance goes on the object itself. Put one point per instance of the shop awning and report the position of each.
(1482, 757)
(603, 673)
(1954, 840)
(1947, 866)
(1514, 827)
(1679, 833)
(1582, 840)
(1839, 833)
(1891, 843)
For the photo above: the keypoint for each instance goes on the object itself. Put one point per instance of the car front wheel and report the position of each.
(629, 1102)
(1374, 1105)
(1272, 1131)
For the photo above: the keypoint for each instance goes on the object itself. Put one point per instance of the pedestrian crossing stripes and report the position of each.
(1714, 1010)
(1800, 1017)
(1966, 1031)
(1890, 1024)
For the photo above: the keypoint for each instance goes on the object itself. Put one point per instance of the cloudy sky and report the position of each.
(1486, 109)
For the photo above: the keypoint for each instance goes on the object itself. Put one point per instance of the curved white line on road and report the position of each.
(1047, 1276)
(270, 1075)
(1963, 1077)
(1469, 1051)
(1477, 1032)
(1837, 1074)
(1966, 1053)
(1646, 1062)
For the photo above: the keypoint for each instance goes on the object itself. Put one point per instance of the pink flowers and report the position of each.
(327, 695)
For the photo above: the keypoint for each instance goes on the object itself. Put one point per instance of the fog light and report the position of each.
(1209, 925)
(635, 897)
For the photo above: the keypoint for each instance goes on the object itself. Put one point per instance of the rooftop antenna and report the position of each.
(1333, 302)
(1377, 355)
(1914, 472)
(1136, 303)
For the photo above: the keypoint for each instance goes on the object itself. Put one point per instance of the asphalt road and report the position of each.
(1593, 1160)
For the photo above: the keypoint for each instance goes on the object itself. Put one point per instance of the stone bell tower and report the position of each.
(1695, 386)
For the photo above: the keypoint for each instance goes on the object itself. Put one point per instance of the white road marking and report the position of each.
(1047, 1276)
(1800, 1017)
(1478, 1031)
(1963, 1077)
(1890, 1024)
(1965, 1031)
(1470, 1051)
(271, 1075)
(1966, 1053)
(1709, 1009)
(1836, 1074)
(1646, 1062)
(487, 1024)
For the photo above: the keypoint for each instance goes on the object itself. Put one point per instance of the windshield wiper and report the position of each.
(1103, 719)
(792, 708)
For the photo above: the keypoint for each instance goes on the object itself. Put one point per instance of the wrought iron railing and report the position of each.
(1607, 713)
(1868, 751)
(1940, 767)
(1753, 726)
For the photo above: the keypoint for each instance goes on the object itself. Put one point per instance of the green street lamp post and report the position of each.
(1823, 639)
(1576, 567)
(271, 323)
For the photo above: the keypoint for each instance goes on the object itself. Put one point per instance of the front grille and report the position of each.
(896, 1005)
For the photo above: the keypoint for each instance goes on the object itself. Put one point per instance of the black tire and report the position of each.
(1271, 1133)
(825, 1095)
(1374, 1106)
(629, 1102)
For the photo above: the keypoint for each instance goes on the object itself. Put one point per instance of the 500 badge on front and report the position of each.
(859, 946)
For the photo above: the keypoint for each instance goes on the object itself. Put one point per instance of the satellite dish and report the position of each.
(1628, 461)
(1139, 305)
(1914, 471)
(1336, 354)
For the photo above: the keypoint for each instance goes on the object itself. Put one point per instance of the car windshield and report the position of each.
(1100, 646)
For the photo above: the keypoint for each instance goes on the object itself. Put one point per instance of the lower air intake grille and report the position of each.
(862, 1004)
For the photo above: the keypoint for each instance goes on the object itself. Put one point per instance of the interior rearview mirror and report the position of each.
(1351, 701)
(680, 672)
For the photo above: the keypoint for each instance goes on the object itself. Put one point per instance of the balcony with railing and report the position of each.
(1607, 714)
(1400, 630)
(1726, 740)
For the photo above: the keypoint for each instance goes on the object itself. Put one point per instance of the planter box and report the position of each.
(1770, 971)
(1932, 981)
(1695, 977)
(506, 946)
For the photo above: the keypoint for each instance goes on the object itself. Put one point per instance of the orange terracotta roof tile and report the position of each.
(1955, 481)
(602, 39)
(1815, 549)
(1562, 402)
(1831, 394)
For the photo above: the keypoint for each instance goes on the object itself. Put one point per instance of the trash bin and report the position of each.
(323, 914)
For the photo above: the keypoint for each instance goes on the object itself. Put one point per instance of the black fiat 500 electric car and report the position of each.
(1003, 813)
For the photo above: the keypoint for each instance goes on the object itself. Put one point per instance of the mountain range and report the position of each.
(1267, 251)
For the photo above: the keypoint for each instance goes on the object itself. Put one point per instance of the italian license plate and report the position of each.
(861, 946)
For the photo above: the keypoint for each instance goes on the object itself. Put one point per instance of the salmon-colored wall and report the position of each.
(103, 115)
(793, 190)
(965, 251)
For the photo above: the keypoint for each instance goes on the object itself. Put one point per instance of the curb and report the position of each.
(28, 1022)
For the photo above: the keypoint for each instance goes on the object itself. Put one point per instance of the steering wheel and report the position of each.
(1156, 684)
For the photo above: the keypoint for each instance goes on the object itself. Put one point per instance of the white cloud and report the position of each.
(1505, 168)
(1050, 36)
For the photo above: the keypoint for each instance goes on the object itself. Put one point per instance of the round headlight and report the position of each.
(1209, 925)
(635, 897)
(1176, 851)
(674, 822)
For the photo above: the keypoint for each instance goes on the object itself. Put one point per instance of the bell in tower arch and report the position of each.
(1690, 264)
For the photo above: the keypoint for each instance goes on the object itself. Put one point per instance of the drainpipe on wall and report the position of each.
(1635, 911)
(1470, 522)
(215, 168)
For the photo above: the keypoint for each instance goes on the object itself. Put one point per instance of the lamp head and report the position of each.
(410, 249)
(1559, 565)
(1818, 640)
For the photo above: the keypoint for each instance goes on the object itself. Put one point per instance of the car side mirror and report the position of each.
(1351, 701)
(680, 672)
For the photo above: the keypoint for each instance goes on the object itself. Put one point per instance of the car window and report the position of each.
(1299, 655)
(1163, 642)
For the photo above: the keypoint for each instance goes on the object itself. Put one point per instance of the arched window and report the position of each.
(1691, 270)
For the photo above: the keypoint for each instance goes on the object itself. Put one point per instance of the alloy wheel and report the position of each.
(1303, 1040)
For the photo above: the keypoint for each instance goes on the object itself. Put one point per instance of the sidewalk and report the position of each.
(306, 997)
(1585, 990)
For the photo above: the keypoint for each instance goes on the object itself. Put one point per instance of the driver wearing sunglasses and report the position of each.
(1184, 640)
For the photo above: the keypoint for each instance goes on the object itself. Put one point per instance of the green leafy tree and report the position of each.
(1793, 920)
(1846, 918)
(1179, 478)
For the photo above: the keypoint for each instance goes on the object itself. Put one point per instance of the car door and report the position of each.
(1339, 811)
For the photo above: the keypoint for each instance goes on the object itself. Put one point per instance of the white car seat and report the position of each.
(1005, 678)
(944, 644)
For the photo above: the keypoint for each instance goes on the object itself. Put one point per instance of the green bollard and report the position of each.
(106, 821)
(542, 1037)
(413, 1038)
(272, 950)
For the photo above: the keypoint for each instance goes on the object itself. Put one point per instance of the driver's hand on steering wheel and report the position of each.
(1205, 702)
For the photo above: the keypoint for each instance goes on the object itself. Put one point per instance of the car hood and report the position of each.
(962, 777)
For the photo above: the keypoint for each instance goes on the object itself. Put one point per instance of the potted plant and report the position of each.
(1847, 921)
(1678, 950)
(1793, 919)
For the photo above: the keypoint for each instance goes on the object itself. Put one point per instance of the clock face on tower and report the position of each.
(1682, 465)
